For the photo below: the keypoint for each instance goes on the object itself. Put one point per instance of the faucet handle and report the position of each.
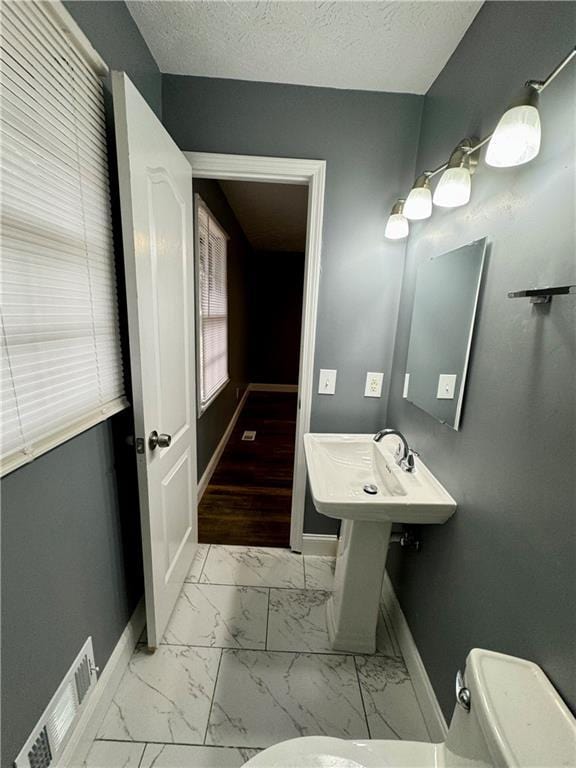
(408, 464)
(398, 454)
(463, 697)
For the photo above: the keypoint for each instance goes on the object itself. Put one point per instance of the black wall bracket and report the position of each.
(542, 295)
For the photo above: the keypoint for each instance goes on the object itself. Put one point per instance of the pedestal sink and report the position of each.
(356, 480)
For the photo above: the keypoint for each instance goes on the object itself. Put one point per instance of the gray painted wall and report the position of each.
(212, 424)
(71, 567)
(71, 551)
(369, 142)
(500, 574)
(276, 288)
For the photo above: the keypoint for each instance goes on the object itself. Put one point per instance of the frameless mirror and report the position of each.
(445, 301)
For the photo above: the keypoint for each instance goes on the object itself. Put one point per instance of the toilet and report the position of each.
(507, 714)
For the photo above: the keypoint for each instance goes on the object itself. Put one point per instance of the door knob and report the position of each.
(162, 440)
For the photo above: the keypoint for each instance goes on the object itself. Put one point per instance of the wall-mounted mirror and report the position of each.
(445, 301)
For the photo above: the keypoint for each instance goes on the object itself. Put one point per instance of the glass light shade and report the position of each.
(418, 204)
(397, 227)
(453, 188)
(516, 139)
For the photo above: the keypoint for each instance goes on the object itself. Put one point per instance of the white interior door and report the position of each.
(156, 206)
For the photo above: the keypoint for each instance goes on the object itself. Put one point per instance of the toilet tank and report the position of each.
(516, 717)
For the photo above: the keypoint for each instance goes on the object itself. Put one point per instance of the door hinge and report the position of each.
(140, 445)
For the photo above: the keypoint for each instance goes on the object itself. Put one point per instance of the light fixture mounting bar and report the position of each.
(467, 150)
(541, 84)
(480, 144)
(436, 171)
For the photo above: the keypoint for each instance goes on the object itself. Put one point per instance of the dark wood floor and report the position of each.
(249, 496)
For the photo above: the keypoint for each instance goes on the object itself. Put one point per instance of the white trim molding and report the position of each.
(70, 29)
(277, 170)
(101, 697)
(273, 387)
(217, 455)
(319, 544)
(19, 459)
(311, 173)
(433, 715)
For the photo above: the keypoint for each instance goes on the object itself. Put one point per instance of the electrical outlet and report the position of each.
(327, 382)
(373, 386)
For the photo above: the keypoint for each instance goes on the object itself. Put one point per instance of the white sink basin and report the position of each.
(339, 466)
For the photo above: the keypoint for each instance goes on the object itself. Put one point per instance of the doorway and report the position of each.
(310, 175)
(250, 246)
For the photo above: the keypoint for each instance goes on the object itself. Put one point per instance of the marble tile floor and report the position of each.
(246, 662)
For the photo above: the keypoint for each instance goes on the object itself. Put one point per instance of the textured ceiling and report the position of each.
(398, 46)
(273, 216)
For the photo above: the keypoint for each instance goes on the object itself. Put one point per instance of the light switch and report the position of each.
(406, 385)
(373, 386)
(446, 386)
(327, 382)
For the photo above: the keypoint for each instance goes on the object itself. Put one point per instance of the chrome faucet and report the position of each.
(405, 456)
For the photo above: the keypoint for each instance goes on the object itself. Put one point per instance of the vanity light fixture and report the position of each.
(397, 226)
(455, 184)
(418, 204)
(516, 139)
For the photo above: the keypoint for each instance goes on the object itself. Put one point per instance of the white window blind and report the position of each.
(61, 358)
(213, 306)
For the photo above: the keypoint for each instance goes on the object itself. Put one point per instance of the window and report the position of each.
(212, 306)
(61, 358)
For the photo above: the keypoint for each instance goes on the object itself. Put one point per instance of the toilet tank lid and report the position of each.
(523, 719)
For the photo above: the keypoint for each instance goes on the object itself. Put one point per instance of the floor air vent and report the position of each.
(82, 677)
(48, 739)
(249, 435)
(40, 755)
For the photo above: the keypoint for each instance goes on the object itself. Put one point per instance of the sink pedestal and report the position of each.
(340, 469)
(352, 610)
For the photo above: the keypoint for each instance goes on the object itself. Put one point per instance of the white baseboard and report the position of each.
(217, 455)
(319, 544)
(427, 700)
(101, 697)
(273, 387)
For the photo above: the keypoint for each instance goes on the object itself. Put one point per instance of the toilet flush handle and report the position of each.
(462, 693)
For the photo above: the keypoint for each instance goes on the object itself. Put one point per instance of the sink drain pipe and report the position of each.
(407, 539)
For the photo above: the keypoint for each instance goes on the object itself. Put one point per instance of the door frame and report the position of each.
(310, 173)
